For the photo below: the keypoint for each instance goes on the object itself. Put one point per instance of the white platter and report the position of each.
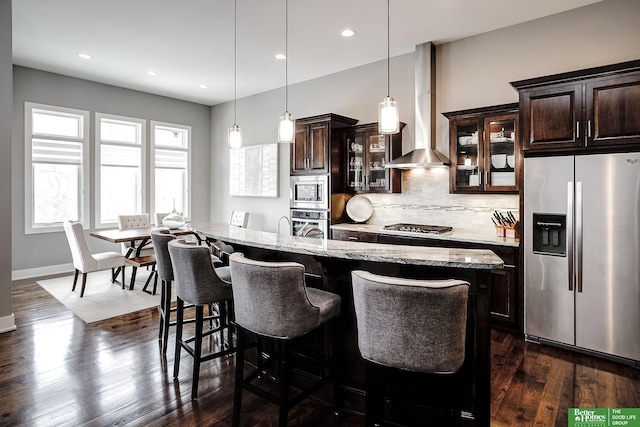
(359, 208)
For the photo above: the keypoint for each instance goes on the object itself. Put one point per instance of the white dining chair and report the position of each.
(239, 218)
(126, 222)
(84, 261)
(160, 217)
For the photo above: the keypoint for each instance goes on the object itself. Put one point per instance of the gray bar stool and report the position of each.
(271, 300)
(410, 325)
(198, 283)
(160, 238)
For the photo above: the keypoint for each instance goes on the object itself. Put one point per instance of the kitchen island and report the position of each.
(332, 262)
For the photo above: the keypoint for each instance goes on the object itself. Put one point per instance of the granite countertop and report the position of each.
(454, 235)
(479, 259)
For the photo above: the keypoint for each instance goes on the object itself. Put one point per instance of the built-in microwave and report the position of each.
(309, 192)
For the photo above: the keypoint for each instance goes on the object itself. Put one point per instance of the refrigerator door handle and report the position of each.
(579, 235)
(570, 233)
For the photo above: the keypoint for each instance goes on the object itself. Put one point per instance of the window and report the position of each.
(56, 167)
(120, 181)
(170, 163)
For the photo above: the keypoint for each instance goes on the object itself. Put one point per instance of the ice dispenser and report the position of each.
(550, 234)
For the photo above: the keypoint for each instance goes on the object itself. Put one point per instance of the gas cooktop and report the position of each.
(419, 228)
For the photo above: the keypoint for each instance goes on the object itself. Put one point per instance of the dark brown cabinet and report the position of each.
(506, 290)
(354, 236)
(583, 110)
(367, 153)
(310, 149)
(485, 151)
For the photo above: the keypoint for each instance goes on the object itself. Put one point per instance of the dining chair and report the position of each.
(239, 218)
(126, 222)
(84, 261)
(145, 257)
(160, 217)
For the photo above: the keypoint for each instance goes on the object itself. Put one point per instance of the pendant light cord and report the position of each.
(286, 55)
(235, 60)
(388, 51)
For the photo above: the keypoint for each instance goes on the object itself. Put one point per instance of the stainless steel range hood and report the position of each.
(424, 155)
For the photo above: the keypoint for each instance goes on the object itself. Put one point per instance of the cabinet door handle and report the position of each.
(578, 129)
(352, 238)
(589, 128)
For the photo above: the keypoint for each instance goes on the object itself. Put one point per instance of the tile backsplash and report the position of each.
(425, 199)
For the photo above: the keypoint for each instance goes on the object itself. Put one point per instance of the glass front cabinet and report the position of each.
(367, 154)
(485, 151)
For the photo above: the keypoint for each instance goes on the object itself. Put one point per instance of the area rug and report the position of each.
(102, 299)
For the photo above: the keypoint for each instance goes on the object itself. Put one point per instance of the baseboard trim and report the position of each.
(7, 323)
(41, 271)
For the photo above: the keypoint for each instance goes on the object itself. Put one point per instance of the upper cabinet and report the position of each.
(367, 153)
(485, 151)
(310, 149)
(583, 110)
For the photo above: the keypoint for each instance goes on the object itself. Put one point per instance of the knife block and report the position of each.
(511, 231)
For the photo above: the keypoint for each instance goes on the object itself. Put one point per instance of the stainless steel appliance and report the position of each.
(419, 228)
(308, 223)
(582, 252)
(309, 192)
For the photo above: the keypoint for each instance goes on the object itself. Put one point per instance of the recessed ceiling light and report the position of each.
(84, 56)
(204, 87)
(348, 32)
(152, 73)
(281, 56)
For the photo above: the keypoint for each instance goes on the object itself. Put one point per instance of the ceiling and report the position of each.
(191, 42)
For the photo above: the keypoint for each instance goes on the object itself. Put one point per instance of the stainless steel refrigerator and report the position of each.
(582, 252)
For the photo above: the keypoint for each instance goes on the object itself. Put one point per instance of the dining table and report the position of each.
(137, 239)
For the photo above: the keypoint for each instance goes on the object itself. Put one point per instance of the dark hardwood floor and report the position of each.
(55, 370)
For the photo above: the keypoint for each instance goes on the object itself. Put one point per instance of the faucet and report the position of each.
(280, 220)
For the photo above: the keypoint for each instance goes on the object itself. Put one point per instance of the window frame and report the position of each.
(84, 185)
(152, 165)
(142, 135)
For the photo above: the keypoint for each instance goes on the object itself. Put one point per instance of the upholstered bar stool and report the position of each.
(271, 300)
(198, 283)
(160, 238)
(410, 325)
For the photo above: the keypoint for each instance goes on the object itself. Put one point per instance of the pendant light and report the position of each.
(234, 135)
(388, 115)
(286, 127)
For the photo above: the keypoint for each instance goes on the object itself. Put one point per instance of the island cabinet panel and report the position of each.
(592, 110)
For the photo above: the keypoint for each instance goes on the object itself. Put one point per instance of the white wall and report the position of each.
(51, 249)
(6, 87)
(472, 72)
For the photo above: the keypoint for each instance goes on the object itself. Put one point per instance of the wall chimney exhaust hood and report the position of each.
(424, 155)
